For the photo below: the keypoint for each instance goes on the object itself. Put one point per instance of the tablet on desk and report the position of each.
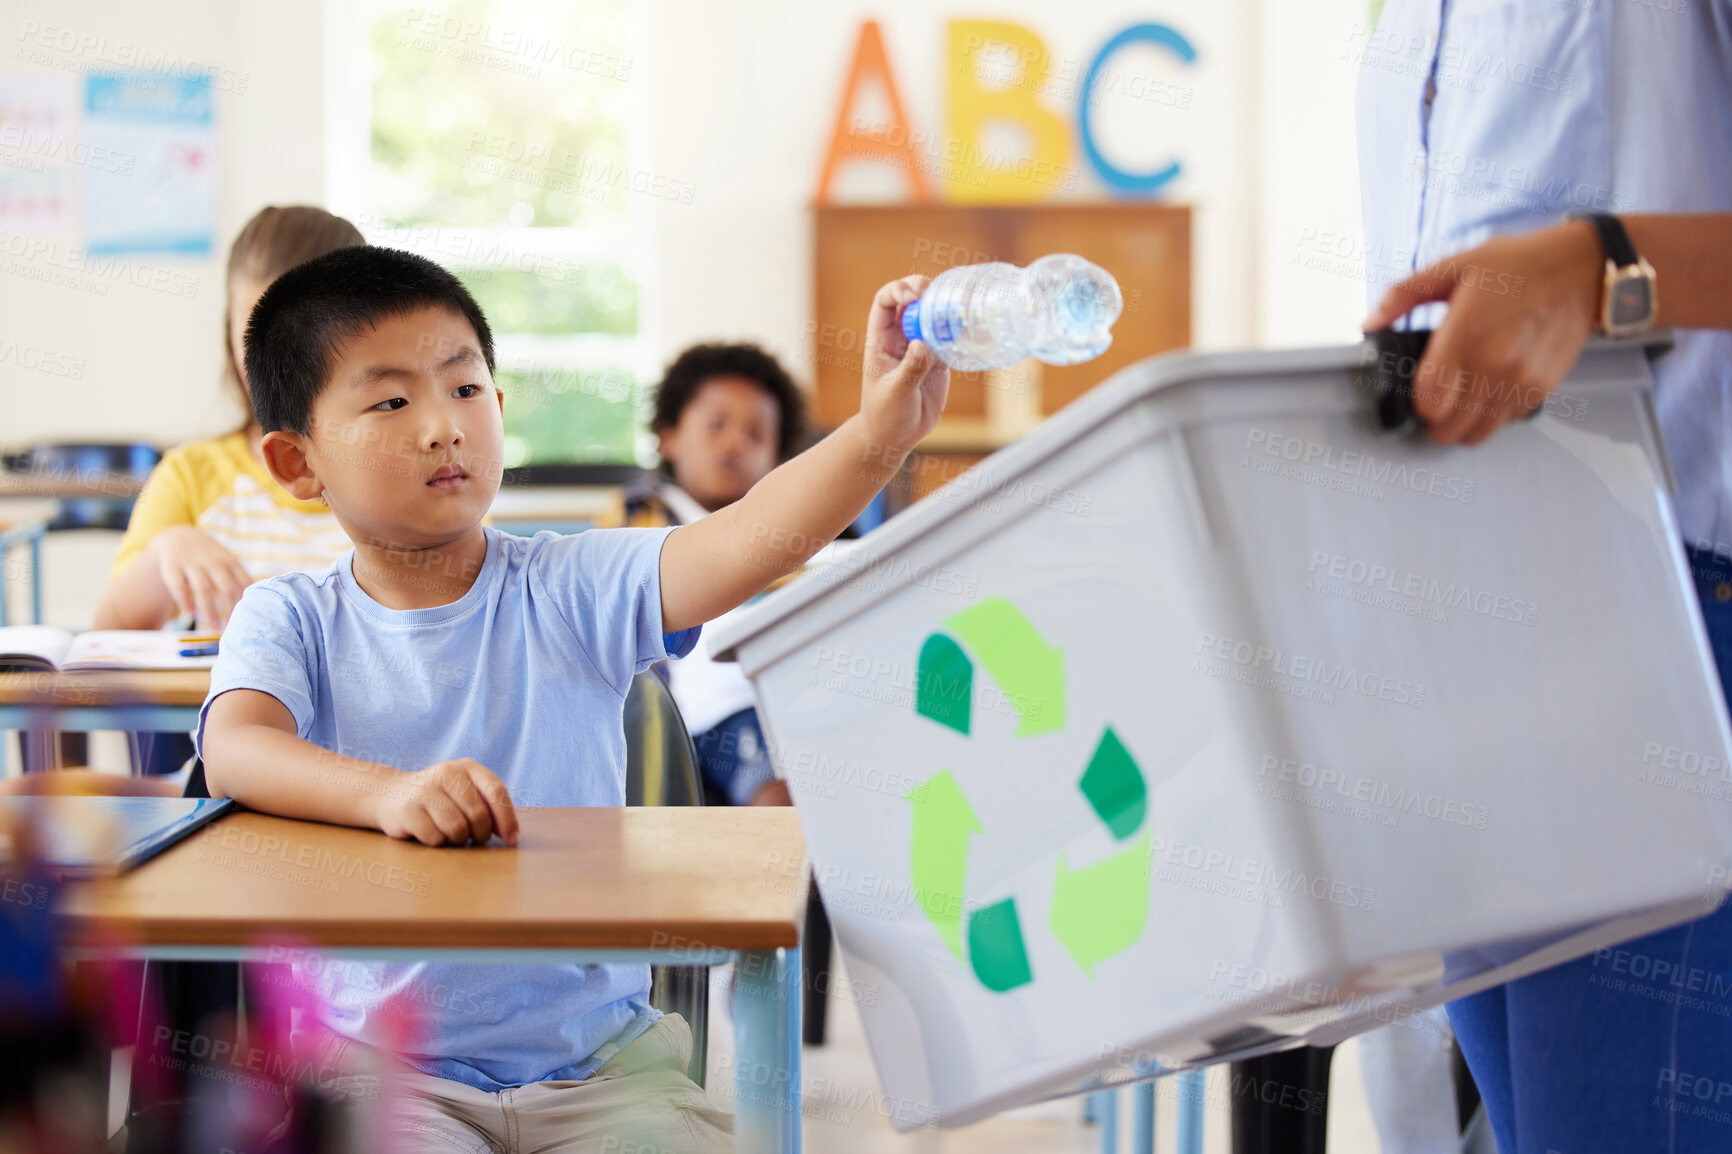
(84, 837)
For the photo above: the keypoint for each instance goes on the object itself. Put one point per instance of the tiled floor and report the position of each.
(845, 1111)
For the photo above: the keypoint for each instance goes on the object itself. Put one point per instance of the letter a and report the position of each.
(892, 143)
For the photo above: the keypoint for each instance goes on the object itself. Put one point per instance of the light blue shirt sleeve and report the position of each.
(264, 648)
(606, 583)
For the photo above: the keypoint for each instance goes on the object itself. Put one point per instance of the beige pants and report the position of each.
(639, 1102)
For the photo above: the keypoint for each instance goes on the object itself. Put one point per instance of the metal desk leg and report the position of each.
(1143, 1118)
(39, 750)
(30, 533)
(36, 578)
(1105, 1107)
(1190, 1114)
(38, 736)
(767, 1052)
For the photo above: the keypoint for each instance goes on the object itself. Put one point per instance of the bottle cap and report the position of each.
(911, 321)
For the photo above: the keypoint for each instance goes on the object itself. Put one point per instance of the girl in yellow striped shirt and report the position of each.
(211, 520)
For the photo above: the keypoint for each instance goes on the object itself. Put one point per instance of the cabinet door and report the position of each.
(857, 249)
(1147, 248)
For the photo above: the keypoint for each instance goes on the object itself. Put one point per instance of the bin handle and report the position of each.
(1392, 359)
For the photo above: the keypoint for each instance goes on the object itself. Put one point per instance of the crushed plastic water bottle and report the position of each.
(1060, 310)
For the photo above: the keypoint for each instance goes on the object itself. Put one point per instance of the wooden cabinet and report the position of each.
(1147, 247)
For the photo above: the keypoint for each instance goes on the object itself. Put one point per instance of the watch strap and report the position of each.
(1614, 239)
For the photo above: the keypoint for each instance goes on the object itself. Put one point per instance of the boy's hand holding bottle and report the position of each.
(903, 384)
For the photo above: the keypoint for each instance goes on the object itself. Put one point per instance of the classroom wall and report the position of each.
(753, 140)
(1267, 144)
(152, 358)
(1311, 283)
(741, 96)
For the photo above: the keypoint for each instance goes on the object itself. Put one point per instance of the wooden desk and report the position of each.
(157, 701)
(677, 886)
(63, 486)
(617, 879)
(41, 705)
(16, 511)
(70, 485)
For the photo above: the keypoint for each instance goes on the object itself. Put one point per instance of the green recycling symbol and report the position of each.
(1097, 911)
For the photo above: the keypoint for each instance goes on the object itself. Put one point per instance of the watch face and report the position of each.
(1631, 301)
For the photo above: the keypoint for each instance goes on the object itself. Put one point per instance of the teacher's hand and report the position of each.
(1520, 309)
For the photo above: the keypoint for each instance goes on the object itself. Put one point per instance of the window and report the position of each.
(495, 139)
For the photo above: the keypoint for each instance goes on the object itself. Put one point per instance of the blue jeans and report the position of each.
(1629, 1053)
(733, 758)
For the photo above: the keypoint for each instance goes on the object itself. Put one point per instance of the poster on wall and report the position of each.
(164, 201)
(36, 156)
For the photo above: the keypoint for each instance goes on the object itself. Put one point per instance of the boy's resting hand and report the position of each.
(452, 802)
(252, 754)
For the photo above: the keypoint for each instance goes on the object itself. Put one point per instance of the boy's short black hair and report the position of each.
(702, 363)
(307, 313)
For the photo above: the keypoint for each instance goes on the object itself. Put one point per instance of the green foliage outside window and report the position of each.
(588, 300)
(510, 116)
(569, 415)
(495, 114)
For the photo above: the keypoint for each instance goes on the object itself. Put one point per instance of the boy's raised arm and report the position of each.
(712, 565)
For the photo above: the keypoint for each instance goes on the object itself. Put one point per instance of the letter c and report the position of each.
(1115, 178)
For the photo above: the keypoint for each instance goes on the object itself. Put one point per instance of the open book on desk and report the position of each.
(48, 648)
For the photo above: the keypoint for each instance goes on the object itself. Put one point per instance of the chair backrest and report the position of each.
(661, 765)
(195, 784)
(94, 464)
(661, 768)
(126, 458)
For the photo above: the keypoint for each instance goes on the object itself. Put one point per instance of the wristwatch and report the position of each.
(1629, 302)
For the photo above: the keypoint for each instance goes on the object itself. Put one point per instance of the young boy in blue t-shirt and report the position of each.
(456, 671)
